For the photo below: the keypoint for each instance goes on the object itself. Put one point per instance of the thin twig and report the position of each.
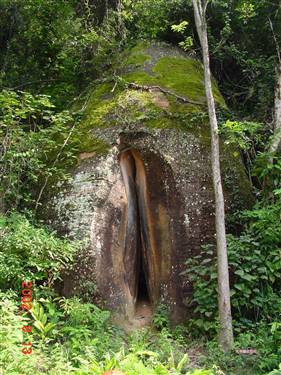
(32, 82)
(114, 87)
(54, 163)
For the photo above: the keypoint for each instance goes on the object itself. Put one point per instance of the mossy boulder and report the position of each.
(114, 101)
(143, 200)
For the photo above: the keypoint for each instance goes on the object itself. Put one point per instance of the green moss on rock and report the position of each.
(136, 56)
(184, 76)
(89, 143)
(150, 65)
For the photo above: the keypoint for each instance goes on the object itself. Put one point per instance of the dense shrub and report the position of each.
(255, 270)
(33, 146)
(31, 252)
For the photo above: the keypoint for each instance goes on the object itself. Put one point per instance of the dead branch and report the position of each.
(136, 86)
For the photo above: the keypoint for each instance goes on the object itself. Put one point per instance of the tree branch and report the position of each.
(164, 91)
(198, 19)
(275, 40)
(32, 83)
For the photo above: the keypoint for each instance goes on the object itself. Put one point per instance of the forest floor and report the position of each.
(142, 325)
(142, 318)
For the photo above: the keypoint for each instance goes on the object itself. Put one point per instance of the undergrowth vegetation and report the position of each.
(28, 251)
(72, 337)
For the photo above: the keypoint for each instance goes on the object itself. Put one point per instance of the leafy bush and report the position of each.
(265, 339)
(33, 136)
(83, 341)
(31, 252)
(241, 134)
(267, 170)
(150, 19)
(41, 323)
(87, 323)
(161, 316)
(51, 359)
(255, 271)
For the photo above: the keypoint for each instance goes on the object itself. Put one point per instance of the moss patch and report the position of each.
(185, 77)
(132, 107)
(137, 59)
(182, 76)
(88, 143)
(136, 56)
(151, 66)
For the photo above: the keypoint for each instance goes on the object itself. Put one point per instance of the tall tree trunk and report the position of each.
(226, 331)
(276, 140)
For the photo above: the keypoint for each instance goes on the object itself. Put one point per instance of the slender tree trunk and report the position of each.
(121, 26)
(276, 140)
(226, 331)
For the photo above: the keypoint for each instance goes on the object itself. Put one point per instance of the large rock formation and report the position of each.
(141, 196)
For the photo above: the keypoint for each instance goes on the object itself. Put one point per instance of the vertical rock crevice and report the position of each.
(141, 258)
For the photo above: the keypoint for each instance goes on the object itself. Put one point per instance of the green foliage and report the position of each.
(53, 47)
(41, 321)
(149, 19)
(242, 134)
(31, 252)
(39, 147)
(259, 339)
(187, 43)
(255, 270)
(180, 28)
(265, 338)
(241, 41)
(267, 169)
(87, 323)
(70, 337)
(161, 317)
(246, 10)
(33, 137)
(83, 341)
(202, 272)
